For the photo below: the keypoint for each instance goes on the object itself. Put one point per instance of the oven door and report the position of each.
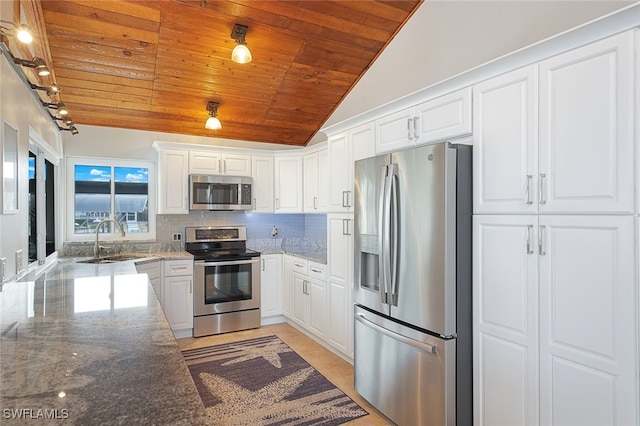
(226, 286)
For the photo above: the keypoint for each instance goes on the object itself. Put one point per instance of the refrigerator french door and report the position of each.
(412, 284)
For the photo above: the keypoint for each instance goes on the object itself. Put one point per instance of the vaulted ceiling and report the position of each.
(154, 65)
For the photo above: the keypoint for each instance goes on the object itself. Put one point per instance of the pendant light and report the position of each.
(241, 53)
(213, 122)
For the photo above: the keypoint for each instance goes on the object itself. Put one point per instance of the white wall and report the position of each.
(20, 109)
(447, 37)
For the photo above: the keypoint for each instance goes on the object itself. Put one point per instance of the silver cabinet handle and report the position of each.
(305, 287)
(224, 166)
(541, 188)
(345, 199)
(529, 231)
(277, 203)
(529, 179)
(345, 227)
(415, 127)
(298, 265)
(190, 286)
(315, 203)
(262, 265)
(541, 251)
(254, 204)
(409, 129)
(220, 166)
(317, 271)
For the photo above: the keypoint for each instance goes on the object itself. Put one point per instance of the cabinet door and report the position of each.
(505, 145)
(178, 301)
(588, 322)
(340, 282)
(317, 295)
(271, 285)
(395, 131)
(173, 175)
(263, 193)
(311, 168)
(287, 286)
(323, 180)
(505, 320)
(205, 163)
(448, 116)
(236, 165)
(288, 181)
(340, 179)
(586, 129)
(300, 308)
(363, 143)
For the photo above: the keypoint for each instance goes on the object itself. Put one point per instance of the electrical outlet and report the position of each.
(177, 236)
(274, 231)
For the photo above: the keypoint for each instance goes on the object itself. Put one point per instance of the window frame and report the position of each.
(71, 162)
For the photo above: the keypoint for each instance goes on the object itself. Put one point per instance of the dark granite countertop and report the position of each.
(89, 344)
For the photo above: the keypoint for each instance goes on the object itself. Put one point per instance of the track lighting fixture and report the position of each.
(59, 106)
(71, 129)
(54, 89)
(213, 122)
(241, 53)
(38, 63)
(20, 31)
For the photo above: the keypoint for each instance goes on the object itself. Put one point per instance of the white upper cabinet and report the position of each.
(578, 155)
(586, 155)
(216, 163)
(505, 143)
(173, 178)
(437, 119)
(288, 184)
(344, 149)
(262, 188)
(315, 170)
(444, 117)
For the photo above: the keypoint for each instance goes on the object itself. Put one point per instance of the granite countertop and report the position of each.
(89, 344)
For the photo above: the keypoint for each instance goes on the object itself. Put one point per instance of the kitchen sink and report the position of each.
(114, 258)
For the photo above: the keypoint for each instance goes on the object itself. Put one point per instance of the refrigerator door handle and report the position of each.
(424, 347)
(382, 232)
(394, 235)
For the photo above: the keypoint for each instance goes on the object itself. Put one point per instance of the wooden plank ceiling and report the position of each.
(154, 65)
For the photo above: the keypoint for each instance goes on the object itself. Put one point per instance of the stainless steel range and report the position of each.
(226, 293)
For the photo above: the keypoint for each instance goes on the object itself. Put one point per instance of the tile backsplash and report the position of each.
(308, 230)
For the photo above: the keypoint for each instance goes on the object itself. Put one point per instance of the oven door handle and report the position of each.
(226, 263)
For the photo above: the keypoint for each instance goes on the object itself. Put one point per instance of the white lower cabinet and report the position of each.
(340, 282)
(554, 320)
(309, 296)
(178, 296)
(271, 288)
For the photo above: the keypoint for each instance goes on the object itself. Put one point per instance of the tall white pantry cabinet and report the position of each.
(555, 293)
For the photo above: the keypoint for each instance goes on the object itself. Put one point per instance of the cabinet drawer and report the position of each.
(317, 270)
(178, 267)
(299, 265)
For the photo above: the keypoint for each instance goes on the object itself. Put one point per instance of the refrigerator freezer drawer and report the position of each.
(408, 375)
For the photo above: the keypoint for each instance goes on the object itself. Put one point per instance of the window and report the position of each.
(42, 214)
(110, 189)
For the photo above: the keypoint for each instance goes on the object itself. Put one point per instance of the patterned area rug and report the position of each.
(264, 382)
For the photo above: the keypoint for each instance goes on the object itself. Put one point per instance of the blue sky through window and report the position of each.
(103, 174)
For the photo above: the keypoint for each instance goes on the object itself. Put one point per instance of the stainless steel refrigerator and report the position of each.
(412, 287)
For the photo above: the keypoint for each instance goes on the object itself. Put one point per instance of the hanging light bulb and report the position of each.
(241, 53)
(213, 122)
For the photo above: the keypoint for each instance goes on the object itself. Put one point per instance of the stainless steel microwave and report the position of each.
(220, 192)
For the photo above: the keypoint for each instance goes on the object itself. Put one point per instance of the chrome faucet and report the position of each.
(97, 248)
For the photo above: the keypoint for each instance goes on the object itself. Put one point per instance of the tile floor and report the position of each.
(334, 368)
